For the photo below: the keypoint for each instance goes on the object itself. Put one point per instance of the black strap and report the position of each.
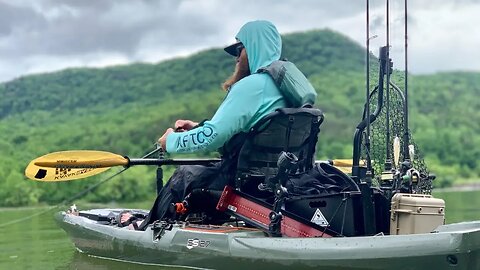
(315, 128)
(291, 119)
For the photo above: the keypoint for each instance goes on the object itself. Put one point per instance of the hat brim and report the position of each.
(232, 49)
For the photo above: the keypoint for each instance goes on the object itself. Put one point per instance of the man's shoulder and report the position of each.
(256, 80)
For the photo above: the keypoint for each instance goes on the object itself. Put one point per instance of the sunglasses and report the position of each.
(238, 49)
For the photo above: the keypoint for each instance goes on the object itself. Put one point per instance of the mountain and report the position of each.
(124, 109)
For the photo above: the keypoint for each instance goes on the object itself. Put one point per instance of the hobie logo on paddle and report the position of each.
(319, 219)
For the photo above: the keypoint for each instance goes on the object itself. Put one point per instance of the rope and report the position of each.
(51, 208)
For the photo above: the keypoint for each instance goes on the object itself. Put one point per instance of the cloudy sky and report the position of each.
(49, 35)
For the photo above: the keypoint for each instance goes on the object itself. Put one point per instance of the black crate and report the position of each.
(342, 211)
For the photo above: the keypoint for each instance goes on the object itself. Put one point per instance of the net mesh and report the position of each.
(380, 140)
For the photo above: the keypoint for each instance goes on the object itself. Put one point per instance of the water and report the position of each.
(38, 243)
(32, 244)
(461, 206)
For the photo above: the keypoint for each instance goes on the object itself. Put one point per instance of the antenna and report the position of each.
(406, 139)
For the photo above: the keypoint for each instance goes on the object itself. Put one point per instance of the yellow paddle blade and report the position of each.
(71, 165)
(81, 159)
(342, 162)
(346, 162)
(49, 174)
(345, 165)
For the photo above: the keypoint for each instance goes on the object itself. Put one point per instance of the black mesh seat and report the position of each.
(292, 130)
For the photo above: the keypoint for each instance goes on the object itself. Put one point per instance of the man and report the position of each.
(250, 97)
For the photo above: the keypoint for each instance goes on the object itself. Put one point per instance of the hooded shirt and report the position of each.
(248, 100)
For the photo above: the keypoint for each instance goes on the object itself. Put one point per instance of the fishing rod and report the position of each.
(406, 135)
(367, 88)
(385, 69)
(388, 161)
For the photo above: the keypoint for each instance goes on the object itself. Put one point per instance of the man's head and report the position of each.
(241, 67)
(258, 44)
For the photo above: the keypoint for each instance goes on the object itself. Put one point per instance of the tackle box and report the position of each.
(415, 213)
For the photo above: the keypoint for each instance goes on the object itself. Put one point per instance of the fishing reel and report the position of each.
(286, 164)
(399, 180)
(403, 177)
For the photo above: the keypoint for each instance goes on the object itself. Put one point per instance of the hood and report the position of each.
(262, 42)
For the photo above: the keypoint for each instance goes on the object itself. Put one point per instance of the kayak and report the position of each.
(377, 213)
(453, 246)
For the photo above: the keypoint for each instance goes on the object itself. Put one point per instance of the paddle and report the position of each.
(78, 164)
(62, 166)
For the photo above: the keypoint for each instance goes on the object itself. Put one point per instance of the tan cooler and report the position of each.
(415, 213)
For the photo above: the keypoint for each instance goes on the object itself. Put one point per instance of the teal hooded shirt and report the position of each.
(248, 100)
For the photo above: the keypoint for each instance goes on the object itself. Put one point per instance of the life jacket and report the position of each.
(291, 82)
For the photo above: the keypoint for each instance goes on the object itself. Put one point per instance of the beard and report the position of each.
(242, 70)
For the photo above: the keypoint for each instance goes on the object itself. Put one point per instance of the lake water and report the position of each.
(37, 242)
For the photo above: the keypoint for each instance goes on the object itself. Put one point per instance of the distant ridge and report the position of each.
(124, 109)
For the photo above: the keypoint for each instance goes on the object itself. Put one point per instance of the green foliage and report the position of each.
(124, 109)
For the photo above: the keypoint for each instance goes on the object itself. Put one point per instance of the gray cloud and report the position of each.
(37, 36)
(73, 27)
(13, 17)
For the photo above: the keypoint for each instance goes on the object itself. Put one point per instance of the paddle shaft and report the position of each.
(120, 161)
(160, 162)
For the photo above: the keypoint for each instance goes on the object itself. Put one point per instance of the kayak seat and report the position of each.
(293, 130)
(255, 155)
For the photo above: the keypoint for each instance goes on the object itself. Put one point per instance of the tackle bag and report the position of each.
(293, 85)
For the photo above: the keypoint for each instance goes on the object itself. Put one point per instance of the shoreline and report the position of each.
(474, 186)
(465, 187)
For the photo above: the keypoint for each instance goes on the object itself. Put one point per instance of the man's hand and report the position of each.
(163, 140)
(184, 125)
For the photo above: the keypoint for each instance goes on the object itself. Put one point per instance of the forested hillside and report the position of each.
(124, 109)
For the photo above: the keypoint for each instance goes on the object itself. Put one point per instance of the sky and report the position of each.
(50, 35)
